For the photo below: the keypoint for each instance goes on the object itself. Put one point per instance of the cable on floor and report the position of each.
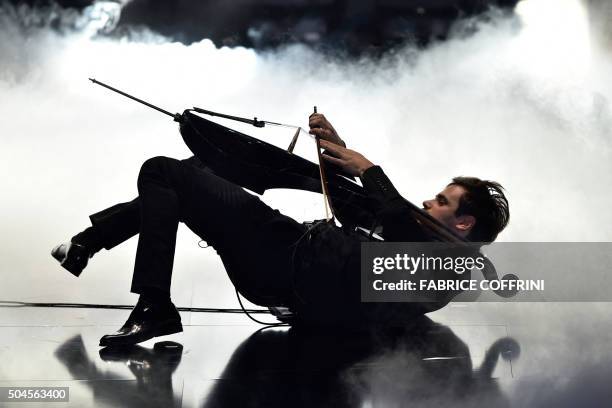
(13, 303)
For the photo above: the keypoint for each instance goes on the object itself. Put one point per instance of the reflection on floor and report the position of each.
(467, 355)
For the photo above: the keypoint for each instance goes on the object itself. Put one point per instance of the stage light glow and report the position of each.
(554, 41)
(511, 103)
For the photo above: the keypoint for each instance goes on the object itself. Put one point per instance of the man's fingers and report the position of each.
(332, 159)
(317, 131)
(333, 148)
(322, 133)
(318, 124)
(316, 116)
(318, 121)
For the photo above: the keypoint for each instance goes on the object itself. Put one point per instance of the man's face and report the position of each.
(444, 206)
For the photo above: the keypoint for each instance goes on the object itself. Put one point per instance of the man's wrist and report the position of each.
(367, 166)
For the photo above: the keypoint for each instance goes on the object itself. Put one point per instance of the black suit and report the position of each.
(271, 258)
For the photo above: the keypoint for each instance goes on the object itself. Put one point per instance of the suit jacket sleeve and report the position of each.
(394, 211)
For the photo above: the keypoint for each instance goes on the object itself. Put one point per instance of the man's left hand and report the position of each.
(350, 161)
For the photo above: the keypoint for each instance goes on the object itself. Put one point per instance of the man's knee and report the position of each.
(157, 162)
(156, 167)
(193, 161)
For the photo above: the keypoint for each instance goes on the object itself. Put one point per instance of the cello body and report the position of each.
(259, 166)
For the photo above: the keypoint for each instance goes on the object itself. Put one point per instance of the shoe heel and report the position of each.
(73, 269)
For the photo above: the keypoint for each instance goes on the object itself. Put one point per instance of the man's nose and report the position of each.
(426, 205)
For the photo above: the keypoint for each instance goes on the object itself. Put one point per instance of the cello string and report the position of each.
(287, 126)
(278, 124)
(302, 130)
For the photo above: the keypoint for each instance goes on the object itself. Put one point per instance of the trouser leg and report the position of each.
(254, 241)
(120, 222)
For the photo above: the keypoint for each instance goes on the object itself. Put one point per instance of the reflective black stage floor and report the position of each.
(467, 355)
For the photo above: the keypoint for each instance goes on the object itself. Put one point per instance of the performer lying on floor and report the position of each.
(272, 259)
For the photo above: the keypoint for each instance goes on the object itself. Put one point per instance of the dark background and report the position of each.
(351, 26)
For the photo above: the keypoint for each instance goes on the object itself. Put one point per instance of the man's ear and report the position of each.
(465, 222)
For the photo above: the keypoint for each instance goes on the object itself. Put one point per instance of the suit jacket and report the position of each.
(327, 274)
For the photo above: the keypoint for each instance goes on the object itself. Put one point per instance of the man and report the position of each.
(272, 259)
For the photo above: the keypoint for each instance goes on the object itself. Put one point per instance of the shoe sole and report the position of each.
(165, 328)
(73, 269)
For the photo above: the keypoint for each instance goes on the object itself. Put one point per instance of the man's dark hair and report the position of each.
(484, 200)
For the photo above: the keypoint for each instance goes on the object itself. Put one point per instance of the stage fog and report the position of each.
(525, 101)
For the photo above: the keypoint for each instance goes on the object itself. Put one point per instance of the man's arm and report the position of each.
(394, 211)
(352, 162)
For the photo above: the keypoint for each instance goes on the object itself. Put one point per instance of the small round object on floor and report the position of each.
(167, 346)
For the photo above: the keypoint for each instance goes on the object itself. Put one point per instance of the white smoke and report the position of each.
(522, 101)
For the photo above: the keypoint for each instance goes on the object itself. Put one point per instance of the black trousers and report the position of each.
(255, 242)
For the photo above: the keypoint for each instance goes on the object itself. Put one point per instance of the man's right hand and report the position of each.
(320, 126)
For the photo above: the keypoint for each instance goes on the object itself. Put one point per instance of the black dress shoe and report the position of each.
(72, 257)
(146, 321)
